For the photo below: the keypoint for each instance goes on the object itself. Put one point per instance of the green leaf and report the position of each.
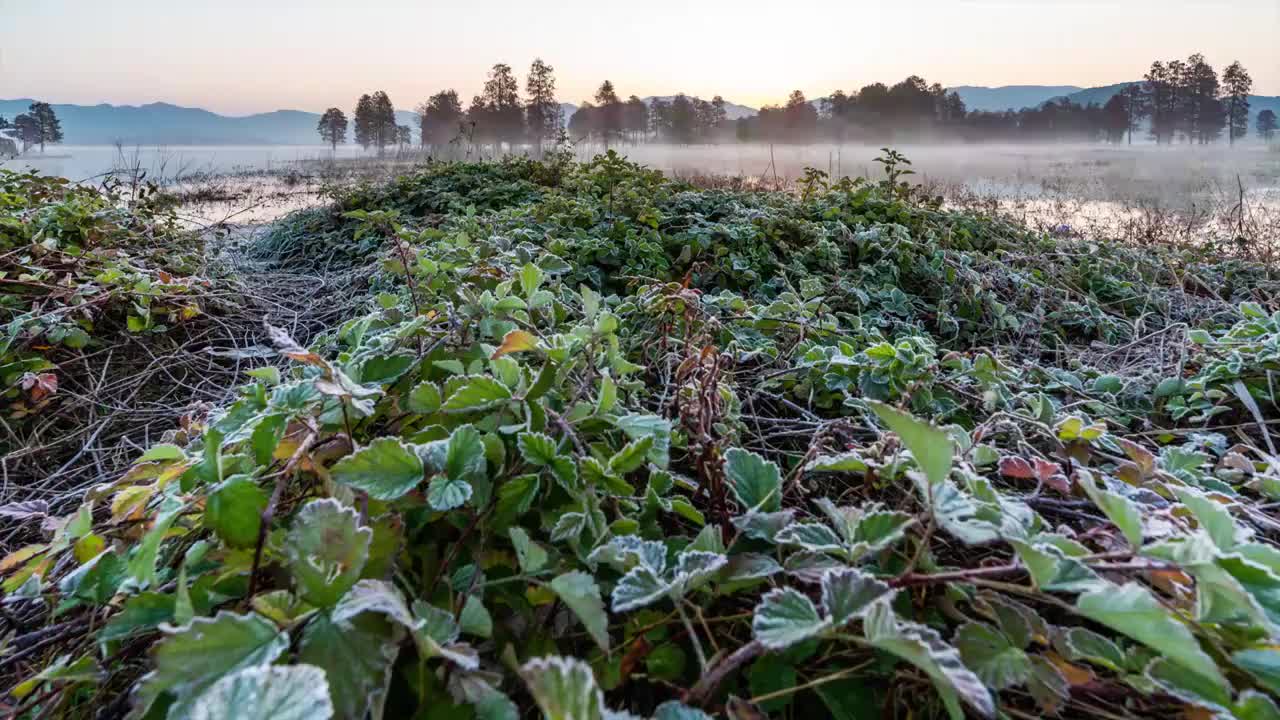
(530, 278)
(1179, 681)
(632, 456)
(157, 453)
(1087, 645)
(755, 482)
(990, 654)
(1263, 664)
(479, 392)
(356, 655)
(529, 553)
(234, 511)
(851, 699)
(475, 619)
(1132, 610)
(387, 469)
(142, 612)
(1121, 511)
(785, 617)
(563, 688)
(199, 654)
(385, 369)
(270, 374)
(1254, 705)
(579, 591)
(284, 692)
(931, 446)
(1213, 518)
(639, 426)
(772, 674)
(326, 549)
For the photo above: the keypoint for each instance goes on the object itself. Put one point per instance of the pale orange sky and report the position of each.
(244, 56)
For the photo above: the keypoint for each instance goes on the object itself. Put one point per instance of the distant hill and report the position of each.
(1010, 97)
(166, 124)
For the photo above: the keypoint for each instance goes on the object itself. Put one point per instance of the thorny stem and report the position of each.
(712, 677)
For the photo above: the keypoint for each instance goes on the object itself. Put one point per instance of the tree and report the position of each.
(364, 118)
(439, 119)
(333, 127)
(1267, 125)
(47, 129)
(1236, 85)
(610, 111)
(543, 115)
(404, 136)
(501, 99)
(386, 130)
(4, 124)
(28, 130)
(376, 121)
(683, 120)
(635, 118)
(1136, 105)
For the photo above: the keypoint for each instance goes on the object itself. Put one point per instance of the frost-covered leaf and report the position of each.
(850, 462)
(1132, 610)
(625, 551)
(327, 549)
(763, 526)
(638, 588)
(537, 448)
(693, 568)
(195, 656)
(785, 617)
(756, 483)
(672, 710)
(279, 692)
(923, 647)
(811, 537)
(563, 688)
(848, 594)
(387, 469)
(580, 593)
(930, 445)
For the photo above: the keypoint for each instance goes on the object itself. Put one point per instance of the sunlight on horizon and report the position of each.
(241, 57)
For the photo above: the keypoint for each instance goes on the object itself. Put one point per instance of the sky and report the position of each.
(244, 56)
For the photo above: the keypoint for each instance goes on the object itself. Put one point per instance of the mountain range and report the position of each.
(167, 124)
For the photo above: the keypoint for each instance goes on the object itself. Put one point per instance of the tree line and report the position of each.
(1179, 100)
(38, 126)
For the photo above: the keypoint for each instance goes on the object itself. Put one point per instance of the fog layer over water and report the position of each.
(1141, 174)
